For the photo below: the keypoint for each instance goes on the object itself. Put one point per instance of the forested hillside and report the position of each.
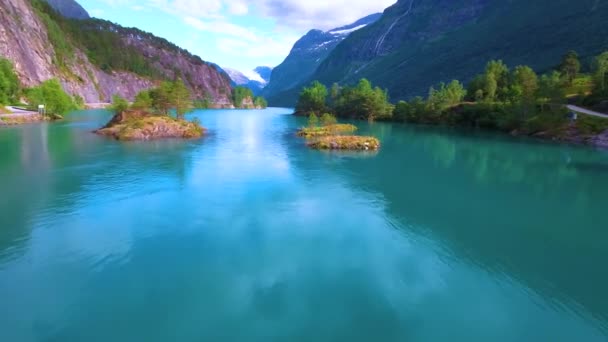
(418, 43)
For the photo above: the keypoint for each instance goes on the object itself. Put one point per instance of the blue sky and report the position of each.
(237, 34)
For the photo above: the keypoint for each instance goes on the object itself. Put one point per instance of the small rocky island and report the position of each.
(139, 125)
(149, 118)
(327, 134)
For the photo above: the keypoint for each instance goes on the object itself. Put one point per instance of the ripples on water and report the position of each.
(248, 235)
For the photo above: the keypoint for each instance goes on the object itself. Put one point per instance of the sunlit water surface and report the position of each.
(246, 235)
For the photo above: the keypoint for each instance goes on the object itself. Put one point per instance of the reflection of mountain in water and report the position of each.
(531, 211)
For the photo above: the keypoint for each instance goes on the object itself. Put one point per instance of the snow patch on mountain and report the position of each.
(347, 31)
(252, 75)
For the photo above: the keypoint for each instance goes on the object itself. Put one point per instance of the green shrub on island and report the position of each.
(329, 126)
(345, 142)
(335, 129)
(328, 119)
(149, 116)
(143, 126)
(119, 104)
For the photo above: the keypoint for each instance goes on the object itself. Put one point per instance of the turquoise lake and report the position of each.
(247, 235)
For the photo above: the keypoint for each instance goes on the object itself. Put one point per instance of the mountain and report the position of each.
(255, 80)
(265, 72)
(307, 54)
(96, 59)
(69, 9)
(418, 43)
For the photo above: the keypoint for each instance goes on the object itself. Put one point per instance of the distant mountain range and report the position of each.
(419, 43)
(307, 54)
(256, 79)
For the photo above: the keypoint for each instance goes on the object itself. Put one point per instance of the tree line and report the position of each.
(160, 100)
(49, 93)
(500, 97)
(240, 94)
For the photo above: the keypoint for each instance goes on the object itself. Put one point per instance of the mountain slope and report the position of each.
(255, 80)
(307, 54)
(418, 43)
(69, 9)
(96, 59)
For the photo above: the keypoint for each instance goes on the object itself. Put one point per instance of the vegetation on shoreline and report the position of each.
(150, 115)
(242, 95)
(514, 100)
(10, 87)
(49, 93)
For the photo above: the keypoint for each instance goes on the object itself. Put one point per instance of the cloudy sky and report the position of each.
(237, 34)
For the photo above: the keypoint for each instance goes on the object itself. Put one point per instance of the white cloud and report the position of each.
(319, 14)
(238, 8)
(221, 27)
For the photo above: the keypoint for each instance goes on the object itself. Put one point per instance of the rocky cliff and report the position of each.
(25, 37)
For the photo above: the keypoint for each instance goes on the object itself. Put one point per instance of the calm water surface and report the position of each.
(247, 235)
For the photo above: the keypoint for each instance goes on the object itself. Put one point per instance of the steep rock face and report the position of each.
(418, 43)
(69, 9)
(307, 54)
(24, 40)
(204, 79)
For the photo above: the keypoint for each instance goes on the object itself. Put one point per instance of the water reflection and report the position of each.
(441, 235)
(528, 210)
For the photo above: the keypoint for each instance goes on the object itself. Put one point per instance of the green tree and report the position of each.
(524, 89)
(601, 74)
(570, 66)
(51, 94)
(143, 101)
(363, 101)
(526, 79)
(312, 99)
(550, 89)
(313, 120)
(181, 98)
(498, 72)
(239, 94)
(447, 95)
(119, 104)
(161, 97)
(328, 119)
(9, 82)
(490, 87)
(260, 102)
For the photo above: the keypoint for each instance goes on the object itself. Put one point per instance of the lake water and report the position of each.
(246, 235)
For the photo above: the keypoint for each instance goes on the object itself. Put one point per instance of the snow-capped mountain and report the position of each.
(255, 79)
(308, 53)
